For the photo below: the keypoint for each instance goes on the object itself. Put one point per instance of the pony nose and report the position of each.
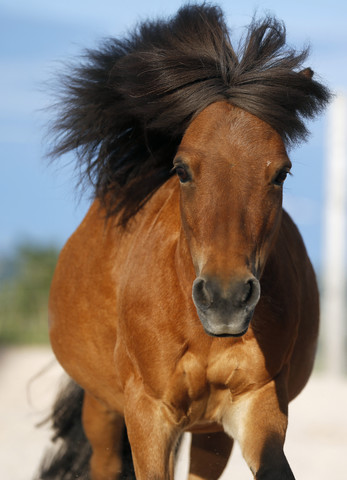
(240, 294)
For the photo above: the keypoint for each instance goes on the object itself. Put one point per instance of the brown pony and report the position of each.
(185, 301)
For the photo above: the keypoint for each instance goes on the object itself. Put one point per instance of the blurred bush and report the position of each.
(25, 280)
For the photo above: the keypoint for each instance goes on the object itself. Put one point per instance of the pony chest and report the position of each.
(201, 388)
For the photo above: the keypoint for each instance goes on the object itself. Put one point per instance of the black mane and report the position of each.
(126, 108)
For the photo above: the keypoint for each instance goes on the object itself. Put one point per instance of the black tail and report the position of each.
(70, 460)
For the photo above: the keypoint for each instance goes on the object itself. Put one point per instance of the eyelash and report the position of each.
(281, 177)
(182, 173)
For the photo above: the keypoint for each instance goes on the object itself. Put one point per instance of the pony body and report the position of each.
(197, 309)
(132, 338)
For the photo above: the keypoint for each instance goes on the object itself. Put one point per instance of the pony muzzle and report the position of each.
(226, 311)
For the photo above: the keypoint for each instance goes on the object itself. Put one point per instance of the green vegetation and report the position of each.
(24, 288)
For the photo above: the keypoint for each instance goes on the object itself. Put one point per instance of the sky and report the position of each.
(38, 200)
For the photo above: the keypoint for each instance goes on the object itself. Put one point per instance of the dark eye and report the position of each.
(281, 177)
(182, 174)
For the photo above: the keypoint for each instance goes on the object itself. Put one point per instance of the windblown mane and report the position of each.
(126, 108)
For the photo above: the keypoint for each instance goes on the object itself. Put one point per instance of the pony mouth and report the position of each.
(225, 335)
(224, 328)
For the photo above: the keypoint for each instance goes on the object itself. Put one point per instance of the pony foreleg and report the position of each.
(104, 430)
(258, 421)
(153, 434)
(209, 454)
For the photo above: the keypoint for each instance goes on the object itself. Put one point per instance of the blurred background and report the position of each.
(40, 206)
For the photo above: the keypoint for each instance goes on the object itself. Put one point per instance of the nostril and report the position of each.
(201, 295)
(246, 294)
(252, 292)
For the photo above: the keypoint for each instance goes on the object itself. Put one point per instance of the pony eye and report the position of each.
(182, 174)
(281, 177)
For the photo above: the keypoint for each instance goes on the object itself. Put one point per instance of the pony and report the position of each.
(185, 301)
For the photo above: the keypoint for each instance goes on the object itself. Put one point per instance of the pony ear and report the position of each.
(307, 72)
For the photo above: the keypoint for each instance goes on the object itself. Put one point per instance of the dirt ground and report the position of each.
(316, 444)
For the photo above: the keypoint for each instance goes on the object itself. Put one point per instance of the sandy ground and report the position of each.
(316, 444)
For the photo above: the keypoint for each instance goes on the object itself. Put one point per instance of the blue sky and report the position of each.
(38, 201)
